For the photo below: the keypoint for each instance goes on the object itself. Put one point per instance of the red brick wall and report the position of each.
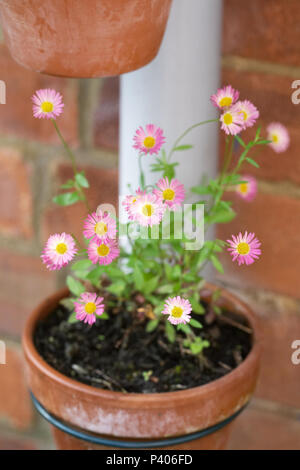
(32, 163)
(261, 58)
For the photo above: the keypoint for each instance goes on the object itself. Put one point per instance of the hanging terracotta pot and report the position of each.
(91, 38)
(85, 417)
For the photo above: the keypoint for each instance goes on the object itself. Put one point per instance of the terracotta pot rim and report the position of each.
(134, 399)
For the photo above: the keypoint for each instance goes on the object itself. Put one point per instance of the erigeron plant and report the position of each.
(165, 276)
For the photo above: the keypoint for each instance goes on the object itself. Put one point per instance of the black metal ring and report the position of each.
(131, 445)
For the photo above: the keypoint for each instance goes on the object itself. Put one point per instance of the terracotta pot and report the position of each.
(140, 417)
(91, 38)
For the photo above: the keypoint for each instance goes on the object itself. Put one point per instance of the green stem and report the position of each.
(228, 158)
(66, 147)
(73, 163)
(142, 176)
(187, 131)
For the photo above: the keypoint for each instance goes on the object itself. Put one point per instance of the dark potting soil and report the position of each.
(118, 354)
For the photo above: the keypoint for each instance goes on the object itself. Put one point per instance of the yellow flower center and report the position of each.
(177, 312)
(103, 250)
(101, 228)
(47, 107)
(227, 119)
(61, 248)
(226, 101)
(243, 248)
(148, 210)
(243, 188)
(245, 115)
(275, 138)
(168, 194)
(90, 308)
(149, 142)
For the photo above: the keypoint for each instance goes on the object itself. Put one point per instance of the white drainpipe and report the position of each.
(173, 92)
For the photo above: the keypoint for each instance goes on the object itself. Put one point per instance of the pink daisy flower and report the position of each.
(103, 251)
(148, 210)
(247, 190)
(47, 104)
(249, 112)
(100, 226)
(244, 248)
(149, 140)
(225, 97)
(178, 309)
(279, 136)
(130, 200)
(171, 193)
(232, 121)
(88, 306)
(59, 250)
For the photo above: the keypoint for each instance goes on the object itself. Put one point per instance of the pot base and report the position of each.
(216, 441)
(70, 438)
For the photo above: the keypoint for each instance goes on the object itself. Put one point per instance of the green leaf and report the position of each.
(152, 325)
(198, 345)
(170, 332)
(169, 171)
(217, 264)
(168, 270)
(67, 303)
(166, 289)
(138, 277)
(151, 285)
(201, 189)
(72, 318)
(195, 323)
(66, 199)
(81, 180)
(220, 217)
(81, 265)
(217, 309)
(240, 141)
(69, 184)
(117, 288)
(252, 162)
(197, 307)
(185, 328)
(264, 142)
(94, 275)
(103, 316)
(75, 286)
(182, 147)
(257, 134)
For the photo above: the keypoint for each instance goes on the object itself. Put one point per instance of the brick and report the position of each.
(272, 95)
(256, 429)
(279, 379)
(275, 219)
(103, 189)
(15, 194)
(106, 120)
(25, 282)
(15, 403)
(262, 30)
(16, 116)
